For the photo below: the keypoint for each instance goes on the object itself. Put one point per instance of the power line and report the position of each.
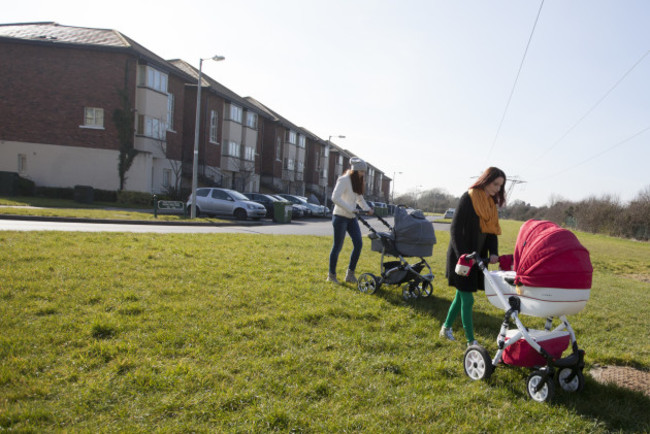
(591, 109)
(521, 65)
(638, 133)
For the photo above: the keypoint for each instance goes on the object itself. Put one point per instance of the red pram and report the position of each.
(551, 278)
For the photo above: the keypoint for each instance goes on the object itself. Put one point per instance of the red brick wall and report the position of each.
(44, 89)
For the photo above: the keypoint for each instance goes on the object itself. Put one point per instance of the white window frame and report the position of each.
(22, 163)
(302, 140)
(235, 113)
(154, 128)
(170, 112)
(249, 153)
(93, 118)
(291, 137)
(166, 177)
(152, 78)
(214, 124)
(232, 149)
(251, 120)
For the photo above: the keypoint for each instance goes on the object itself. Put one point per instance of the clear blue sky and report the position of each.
(421, 86)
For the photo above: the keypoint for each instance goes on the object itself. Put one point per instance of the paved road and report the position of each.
(297, 227)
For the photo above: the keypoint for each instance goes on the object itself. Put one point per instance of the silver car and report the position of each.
(222, 201)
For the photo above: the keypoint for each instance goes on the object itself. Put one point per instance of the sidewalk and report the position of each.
(195, 222)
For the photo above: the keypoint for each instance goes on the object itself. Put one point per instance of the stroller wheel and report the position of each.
(478, 365)
(410, 291)
(540, 388)
(367, 283)
(425, 287)
(574, 384)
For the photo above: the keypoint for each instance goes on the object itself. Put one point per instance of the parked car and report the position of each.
(314, 209)
(297, 211)
(449, 213)
(222, 201)
(265, 200)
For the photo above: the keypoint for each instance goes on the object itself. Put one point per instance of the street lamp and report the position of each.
(392, 198)
(195, 161)
(327, 163)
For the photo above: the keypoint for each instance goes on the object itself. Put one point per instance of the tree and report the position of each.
(125, 124)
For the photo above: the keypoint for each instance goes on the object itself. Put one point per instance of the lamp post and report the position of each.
(195, 161)
(392, 197)
(327, 180)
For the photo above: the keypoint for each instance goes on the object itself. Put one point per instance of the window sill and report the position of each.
(91, 127)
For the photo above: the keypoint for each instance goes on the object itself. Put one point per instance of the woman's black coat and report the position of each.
(465, 238)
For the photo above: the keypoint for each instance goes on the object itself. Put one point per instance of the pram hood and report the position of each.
(547, 255)
(414, 234)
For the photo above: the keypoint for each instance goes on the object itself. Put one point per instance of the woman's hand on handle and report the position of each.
(371, 212)
(494, 259)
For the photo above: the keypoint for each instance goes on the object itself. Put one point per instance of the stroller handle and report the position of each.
(366, 224)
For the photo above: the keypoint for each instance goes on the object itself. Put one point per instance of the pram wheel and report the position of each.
(368, 283)
(575, 384)
(425, 287)
(540, 394)
(477, 362)
(410, 291)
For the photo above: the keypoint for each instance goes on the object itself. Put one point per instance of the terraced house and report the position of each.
(83, 106)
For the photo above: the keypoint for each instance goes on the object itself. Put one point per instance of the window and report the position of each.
(288, 164)
(235, 113)
(317, 161)
(152, 78)
(167, 177)
(93, 117)
(249, 153)
(22, 163)
(232, 149)
(151, 127)
(300, 166)
(278, 149)
(291, 137)
(326, 153)
(251, 120)
(214, 121)
(170, 112)
(301, 141)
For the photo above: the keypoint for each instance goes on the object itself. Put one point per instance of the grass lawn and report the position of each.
(108, 332)
(45, 207)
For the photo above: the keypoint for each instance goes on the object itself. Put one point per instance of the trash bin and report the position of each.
(282, 212)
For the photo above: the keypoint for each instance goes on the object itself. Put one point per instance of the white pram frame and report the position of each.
(540, 386)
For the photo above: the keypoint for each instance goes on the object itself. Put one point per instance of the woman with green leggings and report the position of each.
(474, 228)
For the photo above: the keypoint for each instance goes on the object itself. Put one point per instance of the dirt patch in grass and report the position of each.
(642, 277)
(623, 376)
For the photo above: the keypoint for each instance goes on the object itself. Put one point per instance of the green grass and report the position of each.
(46, 207)
(240, 333)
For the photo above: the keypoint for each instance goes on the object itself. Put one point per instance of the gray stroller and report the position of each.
(412, 236)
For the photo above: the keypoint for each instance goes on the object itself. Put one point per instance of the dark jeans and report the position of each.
(341, 226)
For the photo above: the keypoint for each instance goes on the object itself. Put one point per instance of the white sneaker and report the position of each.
(349, 277)
(447, 333)
(332, 278)
(474, 342)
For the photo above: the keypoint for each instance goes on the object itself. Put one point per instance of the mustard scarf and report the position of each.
(486, 210)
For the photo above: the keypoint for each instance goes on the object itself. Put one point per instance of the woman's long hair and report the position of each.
(490, 174)
(358, 185)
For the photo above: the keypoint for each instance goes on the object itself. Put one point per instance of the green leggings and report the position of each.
(462, 303)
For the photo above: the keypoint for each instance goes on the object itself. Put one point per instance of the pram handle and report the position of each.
(366, 224)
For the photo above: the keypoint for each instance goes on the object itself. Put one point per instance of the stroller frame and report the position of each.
(399, 272)
(566, 371)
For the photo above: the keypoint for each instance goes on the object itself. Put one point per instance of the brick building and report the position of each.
(73, 100)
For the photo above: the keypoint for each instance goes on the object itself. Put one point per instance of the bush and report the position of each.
(135, 198)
